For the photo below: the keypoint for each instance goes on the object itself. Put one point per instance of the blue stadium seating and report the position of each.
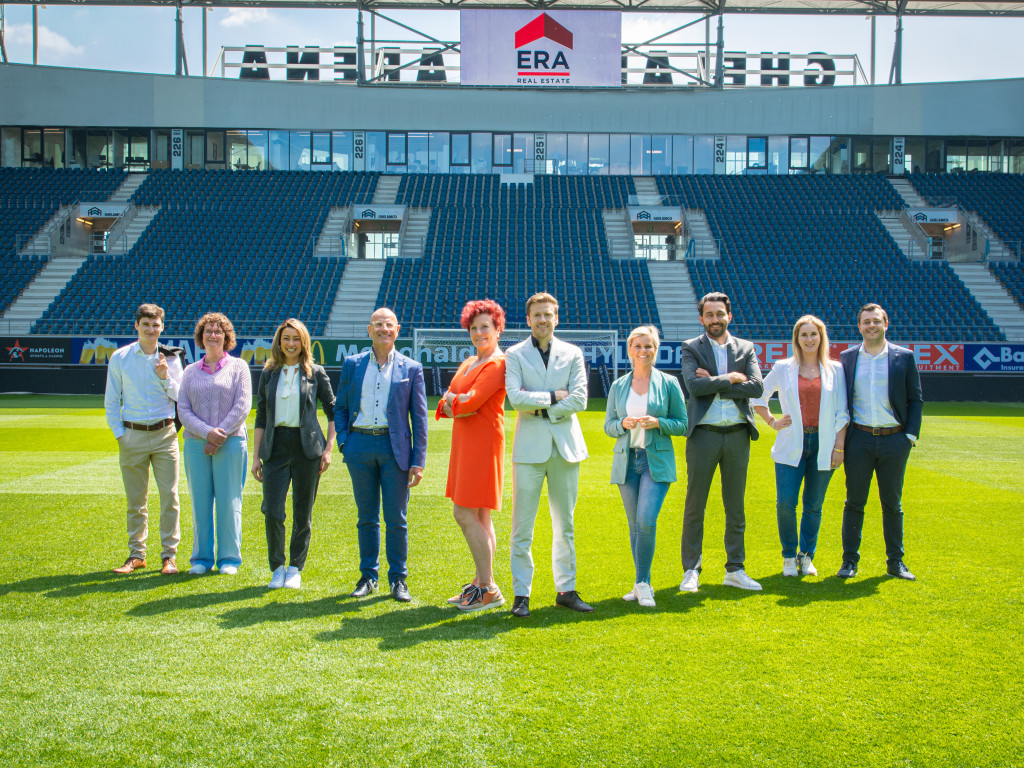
(234, 242)
(1011, 275)
(997, 197)
(28, 198)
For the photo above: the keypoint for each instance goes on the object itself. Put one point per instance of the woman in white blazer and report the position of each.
(809, 440)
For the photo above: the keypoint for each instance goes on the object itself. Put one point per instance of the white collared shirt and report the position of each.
(871, 406)
(636, 406)
(135, 393)
(286, 403)
(373, 400)
(723, 411)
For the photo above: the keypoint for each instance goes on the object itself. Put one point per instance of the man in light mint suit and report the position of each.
(546, 383)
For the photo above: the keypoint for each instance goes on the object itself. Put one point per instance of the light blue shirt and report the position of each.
(723, 411)
(871, 406)
(135, 393)
(373, 398)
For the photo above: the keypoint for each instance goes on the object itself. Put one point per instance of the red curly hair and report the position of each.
(483, 307)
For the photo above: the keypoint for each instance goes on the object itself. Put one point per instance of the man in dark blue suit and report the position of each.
(883, 390)
(381, 420)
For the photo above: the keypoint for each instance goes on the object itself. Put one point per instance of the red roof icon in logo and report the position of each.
(543, 26)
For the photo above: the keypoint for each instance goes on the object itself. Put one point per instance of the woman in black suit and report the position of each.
(289, 445)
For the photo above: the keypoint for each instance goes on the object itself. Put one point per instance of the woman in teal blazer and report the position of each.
(645, 408)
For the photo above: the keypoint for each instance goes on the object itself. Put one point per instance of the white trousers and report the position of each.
(563, 487)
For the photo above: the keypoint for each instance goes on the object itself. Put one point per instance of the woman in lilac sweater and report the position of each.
(214, 401)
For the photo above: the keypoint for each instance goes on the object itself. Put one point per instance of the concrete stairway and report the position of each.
(414, 233)
(647, 191)
(994, 299)
(618, 232)
(386, 190)
(705, 245)
(677, 303)
(144, 215)
(907, 192)
(329, 242)
(123, 193)
(897, 229)
(356, 298)
(997, 250)
(39, 245)
(35, 299)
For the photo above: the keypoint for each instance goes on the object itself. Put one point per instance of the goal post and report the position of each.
(450, 346)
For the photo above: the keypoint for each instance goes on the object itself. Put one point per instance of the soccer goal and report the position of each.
(450, 346)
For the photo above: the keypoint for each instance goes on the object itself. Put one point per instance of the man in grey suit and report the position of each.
(546, 383)
(721, 374)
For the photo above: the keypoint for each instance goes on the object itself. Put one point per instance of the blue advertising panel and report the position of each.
(994, 357)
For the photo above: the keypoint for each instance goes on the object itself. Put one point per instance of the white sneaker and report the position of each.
(277, 580)
(691, 581)
(198, 570)
(644, 594)
(741, 580)
(293, 578)
(630, 596)
(807, 566)
(228, 570)
(789, 567)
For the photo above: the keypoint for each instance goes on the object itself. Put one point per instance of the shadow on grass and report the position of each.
(194, 601)
(797, 592)
(335, 605)
(76, 584)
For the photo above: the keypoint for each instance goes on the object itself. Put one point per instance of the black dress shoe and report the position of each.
(400, 592)
(848, 571)
(365, 586)
(521, 607)
(900, 571)
(573, 602)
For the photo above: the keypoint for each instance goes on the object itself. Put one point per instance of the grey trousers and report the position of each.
(730, 453)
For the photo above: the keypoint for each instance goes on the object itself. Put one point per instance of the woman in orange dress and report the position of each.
(476, 401)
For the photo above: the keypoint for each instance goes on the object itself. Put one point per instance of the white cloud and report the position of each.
(243, 17)
(50, 42)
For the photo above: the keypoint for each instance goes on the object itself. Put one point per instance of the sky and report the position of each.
(141, 39)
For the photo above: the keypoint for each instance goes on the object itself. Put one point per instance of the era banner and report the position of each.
(547, 49)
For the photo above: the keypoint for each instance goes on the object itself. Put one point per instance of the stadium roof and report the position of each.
(796, 7)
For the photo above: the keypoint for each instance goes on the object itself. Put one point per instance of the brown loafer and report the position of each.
(131, 564)
(169, 568)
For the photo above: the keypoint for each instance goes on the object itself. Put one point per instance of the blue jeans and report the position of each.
(379, 484)
(216, 481)
(787, 493)
(642, 496)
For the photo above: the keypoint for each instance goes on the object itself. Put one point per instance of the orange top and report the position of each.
(478, 438)
(810, 400)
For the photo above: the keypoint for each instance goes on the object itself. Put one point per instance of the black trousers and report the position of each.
(885, 458)
(288, 464)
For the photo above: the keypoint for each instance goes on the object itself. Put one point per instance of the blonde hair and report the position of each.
(643, 330)
(277, 359)
(823, 358)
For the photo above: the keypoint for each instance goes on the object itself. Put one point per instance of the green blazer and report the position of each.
(664, 400)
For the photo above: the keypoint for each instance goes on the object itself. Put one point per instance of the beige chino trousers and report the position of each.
(139, 450)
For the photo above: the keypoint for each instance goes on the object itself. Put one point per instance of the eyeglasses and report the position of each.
(212, 332)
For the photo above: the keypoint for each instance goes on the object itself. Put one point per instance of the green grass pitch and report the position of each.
(102, 670)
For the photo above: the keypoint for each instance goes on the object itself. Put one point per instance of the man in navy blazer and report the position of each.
(381, 419)
(883, 390)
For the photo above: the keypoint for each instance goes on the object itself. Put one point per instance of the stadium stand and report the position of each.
(236, 242)
(508, 241)
(28, 199)
(798, 244)
(1011, 275)
(997, 197)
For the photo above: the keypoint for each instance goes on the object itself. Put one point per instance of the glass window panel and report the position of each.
(501, 147)
(138, 150)
(376, 150)
(418, 150)
(881, 154)
(120, 153)
(396, 149)
(682, 154)
(522, 153)
(98, 149)
(933, 156)
(32, 147)
(53, 147)
(839, 154)
(278, 151)
(820, 146)
(913, 155)
(438, 146)
(460, 149)
(704, 154)
(757, 152)
(299, 153)
(321, 144)
(977, 155)
(238, 150)
(996, 155)
(10, 147)
(618, 153)
(341, 150)
(257, 149)
(77, 149)
(215, 149)
(638, 143)
(161, 146)
(735, 155)
(556, 153)
(481, 153)
(778, 154)
(661, 154)
(194, 152)
(597, 159)
(799, 152)
(956, 155)
(1015, 155)
(576, 154)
